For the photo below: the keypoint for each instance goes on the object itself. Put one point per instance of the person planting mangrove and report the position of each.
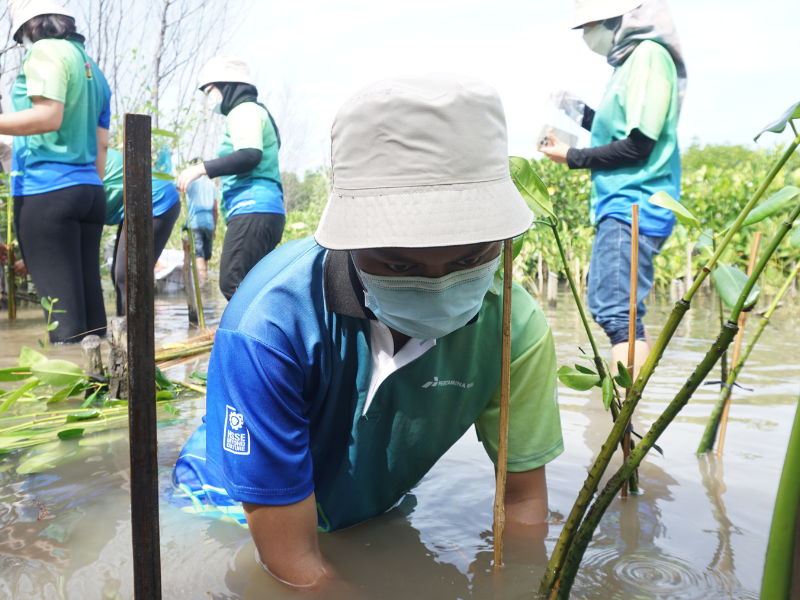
(247, 163)
(166, 210)
(60, 123)
(634, 154)
(349, 362)
(201, 196)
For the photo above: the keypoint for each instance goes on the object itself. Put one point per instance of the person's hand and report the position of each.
(19, 268)
(3, 253)
(556, 150)
(188, 175)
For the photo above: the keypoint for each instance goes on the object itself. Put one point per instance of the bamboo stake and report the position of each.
(505, 393)
(737, 344)
(11, 274)
(626, 440)
(185, 207)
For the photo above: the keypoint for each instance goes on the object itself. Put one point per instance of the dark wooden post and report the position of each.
(141, 358)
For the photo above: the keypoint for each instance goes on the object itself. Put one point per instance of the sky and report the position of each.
(310, 56)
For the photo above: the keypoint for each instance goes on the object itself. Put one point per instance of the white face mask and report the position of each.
(215, 101)
(27, 43)
(599, 38)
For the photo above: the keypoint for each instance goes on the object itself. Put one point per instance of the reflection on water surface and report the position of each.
(699, 529)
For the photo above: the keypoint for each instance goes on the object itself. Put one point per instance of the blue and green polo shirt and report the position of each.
(290, 410)
(60, 70)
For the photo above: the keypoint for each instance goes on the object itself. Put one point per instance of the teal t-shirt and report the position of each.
(59, 70)
(643, 95)
(165, 194)
(258, 191)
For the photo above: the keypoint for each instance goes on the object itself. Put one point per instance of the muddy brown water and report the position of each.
(698, 530)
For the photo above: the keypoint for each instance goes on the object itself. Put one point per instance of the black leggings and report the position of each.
(248, 239)
(59, 236)
(162, 229)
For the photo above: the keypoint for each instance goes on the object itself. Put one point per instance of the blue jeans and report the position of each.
(609, 287)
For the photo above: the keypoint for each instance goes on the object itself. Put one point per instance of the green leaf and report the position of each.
(114, 402)
(776, 202)
(162, 383)
(57, 372)
(623, 378)
(730, 284)
(41, 344)
(608, 392)
(163, 176)
(160, 396)
(778, 125)
(92, 397)
(29, 357)
(574, 379)
(164, 132)
(171, 409)
(795, 239)
(17, 394)
(15, 374)
(45, 304)
(664, 200)
(200, 376)
(585, 370)
(40, 462)
(52, 326)
(704, 243)
(530, 187)
(65, 393)
(68, 434)
(83, 416)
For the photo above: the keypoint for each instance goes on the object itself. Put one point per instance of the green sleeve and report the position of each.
(246, 126)
(534, 424)
(46, 73)
(648, 93)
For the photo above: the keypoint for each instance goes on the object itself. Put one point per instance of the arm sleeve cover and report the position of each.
(235, 163)
(588, 118)
(636, 146)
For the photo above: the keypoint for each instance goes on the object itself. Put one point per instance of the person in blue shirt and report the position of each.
(166, 210)
(634, 154)
(349, 362)
(247, 163)
(60, 123)
(201, 196)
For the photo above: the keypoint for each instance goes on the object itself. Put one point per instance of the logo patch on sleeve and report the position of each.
(236, 437)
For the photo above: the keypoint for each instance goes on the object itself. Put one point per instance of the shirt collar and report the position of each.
(344, 294)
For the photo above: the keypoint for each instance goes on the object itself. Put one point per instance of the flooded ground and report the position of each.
(698, 530)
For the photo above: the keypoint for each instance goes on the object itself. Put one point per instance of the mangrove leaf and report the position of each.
(608, 392)
(165, 133)
(162, 383)
(777, 126)
(83, 416)
(200, 376)
(664, 200)
(57, 372)
(17, 394)
(623, 378)
(704, 243)
(68, 434)
(63, 394)
(29, 357)
(160, 396)
(531, 187)
(776, 202)
(576, 380)
(15, 374)
(163, 176)
(730, 284)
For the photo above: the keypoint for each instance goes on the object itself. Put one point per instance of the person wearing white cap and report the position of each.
(60, 126)
(349, 362)
(634, 154)
(248, 165)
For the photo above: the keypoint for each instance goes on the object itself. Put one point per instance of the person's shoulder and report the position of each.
(528, 322)
(653, 53)
(285, 286)
(246, 110)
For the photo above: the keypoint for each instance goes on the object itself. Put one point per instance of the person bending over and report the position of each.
(349, 362)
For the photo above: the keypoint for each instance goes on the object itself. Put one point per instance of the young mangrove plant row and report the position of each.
(582, 520)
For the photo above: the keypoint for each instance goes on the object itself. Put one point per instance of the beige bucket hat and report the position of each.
(23, 11)
(587, 11)
(225, 68)
(420, 162)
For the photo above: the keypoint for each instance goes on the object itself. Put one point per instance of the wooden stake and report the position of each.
(198, 298)
(737, 345)
(626, 440)
(505, 394)
(141, 360)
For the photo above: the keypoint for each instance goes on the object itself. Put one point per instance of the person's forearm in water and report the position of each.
(45, 116)
(286, 539)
